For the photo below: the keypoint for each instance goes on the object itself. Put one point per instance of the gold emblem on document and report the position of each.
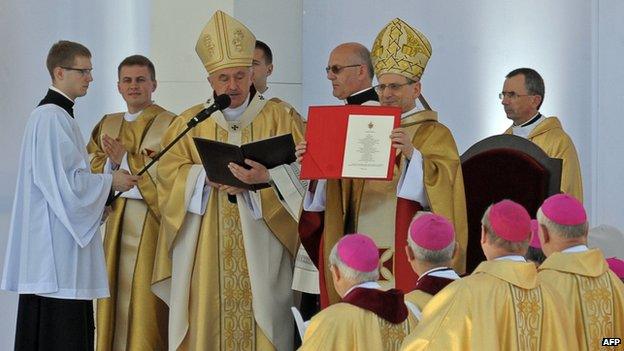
(370, 125)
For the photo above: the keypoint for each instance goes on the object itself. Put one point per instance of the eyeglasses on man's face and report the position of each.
(336, 69)
(83, 71)
(511, 95)
(394, 87)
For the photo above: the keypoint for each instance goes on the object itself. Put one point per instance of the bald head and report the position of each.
(352, 69)
(359, 51)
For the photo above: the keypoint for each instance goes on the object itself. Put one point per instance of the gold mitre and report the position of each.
(400, 49)
(225, 42)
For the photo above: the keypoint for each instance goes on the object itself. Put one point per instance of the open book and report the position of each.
(270, 152)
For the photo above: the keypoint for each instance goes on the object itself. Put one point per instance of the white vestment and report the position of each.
(53, 249)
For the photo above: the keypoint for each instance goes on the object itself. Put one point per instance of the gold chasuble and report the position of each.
(345, 327)
(499, 306)
(225, 275)
(550, 137)
(591, 291)
(370, 206)
(133, 318)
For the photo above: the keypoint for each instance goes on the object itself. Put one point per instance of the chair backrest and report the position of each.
(504, 167)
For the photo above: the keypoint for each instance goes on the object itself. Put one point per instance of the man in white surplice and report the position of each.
(54, 258)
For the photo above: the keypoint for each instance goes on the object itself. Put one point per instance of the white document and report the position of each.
(367, 147)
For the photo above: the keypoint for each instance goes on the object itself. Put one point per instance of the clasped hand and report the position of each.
(113, 148)
(258, 174)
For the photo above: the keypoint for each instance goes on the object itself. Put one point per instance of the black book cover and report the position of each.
(270, 152)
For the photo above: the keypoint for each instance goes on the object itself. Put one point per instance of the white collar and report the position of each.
(524, 130)
(366, 285)
(232, 114)
(52, 87)
(575, 249)
(441, 272)
(130, 117)
(410, 112)
(515, 258)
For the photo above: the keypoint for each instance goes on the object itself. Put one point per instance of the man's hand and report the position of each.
(113, 149)
(258, 174)
(123, 180)
(212, 184)
(300, 149)
(231, 190)
(401, 141)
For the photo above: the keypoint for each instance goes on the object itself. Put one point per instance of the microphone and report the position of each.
(220, 102)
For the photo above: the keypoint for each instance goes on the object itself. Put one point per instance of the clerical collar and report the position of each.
(441, 272)
(59, 99)
(410, 112)
(532, 120)
(52, 87)
(367, 285)
(130, 117)
(232, 114)
(516, 258)
(575, 249)
(362, 96)
(526, 128)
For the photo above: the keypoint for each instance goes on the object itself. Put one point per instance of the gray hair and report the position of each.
(350, 273)
(510, 246)
(564, 231)
(431, 256)
(426, 255)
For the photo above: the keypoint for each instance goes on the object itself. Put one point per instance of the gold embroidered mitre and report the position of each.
(225, 42)
(400, 49)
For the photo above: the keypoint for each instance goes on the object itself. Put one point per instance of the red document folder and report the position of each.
(326, 134)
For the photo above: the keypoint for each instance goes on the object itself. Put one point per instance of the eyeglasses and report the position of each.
(511, 95)
(336, 69)
(394, 87)
(83, 71)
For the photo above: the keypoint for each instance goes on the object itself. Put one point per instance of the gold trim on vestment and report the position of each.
(392, 335)
(220, 314)
(528, 310)
(597, 301)
(130, 240)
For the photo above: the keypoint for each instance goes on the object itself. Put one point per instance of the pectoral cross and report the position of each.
(235, 127)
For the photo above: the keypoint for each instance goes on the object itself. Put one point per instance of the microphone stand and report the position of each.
(189, 125)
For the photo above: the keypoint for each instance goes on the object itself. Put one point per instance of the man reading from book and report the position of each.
(225, 267)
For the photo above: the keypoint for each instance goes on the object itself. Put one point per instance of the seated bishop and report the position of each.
(366, 318)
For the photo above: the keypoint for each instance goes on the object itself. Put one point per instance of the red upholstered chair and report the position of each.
(504, 167)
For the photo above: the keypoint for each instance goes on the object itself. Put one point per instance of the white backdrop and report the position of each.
(475, 44)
